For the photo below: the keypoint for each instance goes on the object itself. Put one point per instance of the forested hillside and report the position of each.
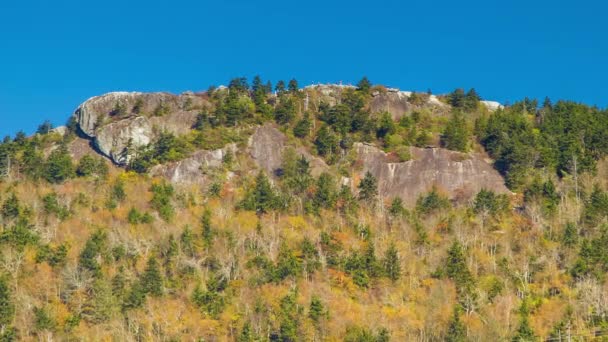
(325, 213)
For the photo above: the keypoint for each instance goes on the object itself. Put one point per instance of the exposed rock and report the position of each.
(492, 105)
(267, 145)
(191, 169)
(140, 118)
(460, 175)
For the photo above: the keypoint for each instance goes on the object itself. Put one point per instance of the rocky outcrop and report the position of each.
(460, 175)
(118, 120)
(267, 145)
(192, 169)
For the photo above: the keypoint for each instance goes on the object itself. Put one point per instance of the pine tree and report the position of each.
(293, 86)
(7, 308)
(316, 310)
(302, 127)
(456, 329)
(392, 267)
(524, 332)
(364, 85)
(386, 125)
(262, 198)
(368, 188)
(207, 229)
(152, 281)
(325, 194)
(456, 135)
(247, 334)
(11, 207)
(280, 87)
(58, 166)
(457, 98)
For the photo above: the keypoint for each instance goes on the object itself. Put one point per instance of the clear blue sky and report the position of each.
(56, 54)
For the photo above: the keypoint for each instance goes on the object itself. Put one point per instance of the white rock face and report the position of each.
(492, 105)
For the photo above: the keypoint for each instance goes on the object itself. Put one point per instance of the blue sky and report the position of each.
(56, 54)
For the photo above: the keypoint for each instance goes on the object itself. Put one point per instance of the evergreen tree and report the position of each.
(285, 111)
(325, 194)
(392, 266)
(207, 229)
(11, 207)
(302, 127)
(87, 166)
(471, 100)
(456, 136)
(316, 310)
(45, 127)
(386, 125)
(524, 333)
(7, 308)
(364, 85)
(368, 188)
(288, 318)
(247, 334)
(293, 86)
(58, 166)
(261, 198)
(280, 87)
(326, 142)
(152, 281)
(456, 329)
(457, 98)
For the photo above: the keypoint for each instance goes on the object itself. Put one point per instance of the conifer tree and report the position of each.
(368, 188)
(392, 267)
(456, 329)
(152, 281)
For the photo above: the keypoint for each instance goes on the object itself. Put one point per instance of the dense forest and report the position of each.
(92, 250)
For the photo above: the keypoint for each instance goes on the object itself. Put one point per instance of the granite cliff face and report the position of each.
(267, 146)
(459, 175)
(118, 120)
(117, 123)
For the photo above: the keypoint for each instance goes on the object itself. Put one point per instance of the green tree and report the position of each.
(86, 166)
(302, 127)
(207, 228)
(326, 142)
(162, 194)
(364, 85)
(293, 86)
(11, 207)
(386, 125)
(7, 308)
(325, 194)
(524, 333)
(456, 330)
(368, 188)
(285, 111)
(280, 87)
(58, 166)
(152, 281)
(94, 247)
(471, 100)
(45, 127)
(456, 134)
(391, 263)
(457, 98)
(262, 198)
